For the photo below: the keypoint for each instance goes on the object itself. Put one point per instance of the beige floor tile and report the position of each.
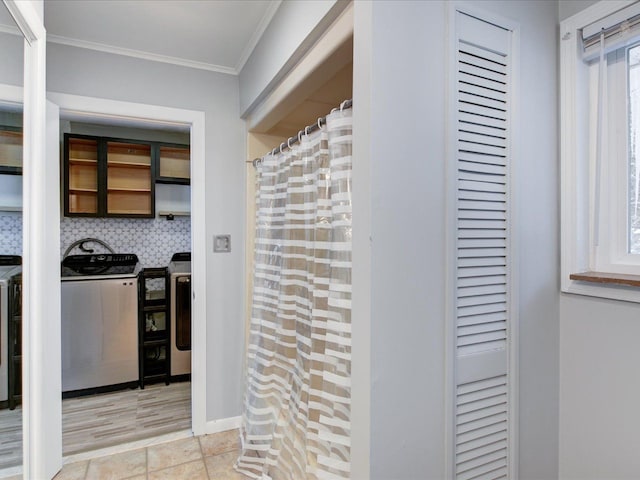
(218, 443)
(220, 467)
(138, 477)
(188, 471)
(73, 471)
(118, 466)
(173, 453)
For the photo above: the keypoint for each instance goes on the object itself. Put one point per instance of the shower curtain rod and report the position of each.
(311, 128)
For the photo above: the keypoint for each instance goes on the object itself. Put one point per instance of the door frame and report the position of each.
(93, 107)
(41, 458)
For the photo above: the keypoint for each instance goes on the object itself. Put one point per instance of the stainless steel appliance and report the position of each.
(99, 321)
(180, 317)
(9, 266)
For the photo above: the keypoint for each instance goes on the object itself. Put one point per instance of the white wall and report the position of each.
(407, 165)
(599, 386)
(96, 74)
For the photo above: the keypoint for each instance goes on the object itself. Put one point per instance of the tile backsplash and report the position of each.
(10, 233)
(153, 240)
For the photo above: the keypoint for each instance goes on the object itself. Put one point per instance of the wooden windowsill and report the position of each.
(607, 278)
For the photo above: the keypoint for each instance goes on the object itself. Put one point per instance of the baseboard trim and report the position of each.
(223, 424)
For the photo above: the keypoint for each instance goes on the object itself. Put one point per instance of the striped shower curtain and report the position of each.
(296, 420)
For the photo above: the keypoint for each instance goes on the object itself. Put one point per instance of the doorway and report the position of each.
(136, 116)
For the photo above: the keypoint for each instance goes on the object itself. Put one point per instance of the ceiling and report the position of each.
(209, 34)
(216, 35)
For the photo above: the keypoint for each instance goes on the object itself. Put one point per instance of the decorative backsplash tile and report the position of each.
(10, 233)
(153, 240)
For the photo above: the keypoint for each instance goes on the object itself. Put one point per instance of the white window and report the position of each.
(600, 149)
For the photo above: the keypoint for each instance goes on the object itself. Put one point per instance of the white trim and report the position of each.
(11, 94)
(156, 57)
(29, 22)
(361, 243)
(196, 119)
(40, 458)
(451, 245)
(257, 34)
(128, 52)
(11, 30)
(222, 425)
(126, 447)
(575, 247)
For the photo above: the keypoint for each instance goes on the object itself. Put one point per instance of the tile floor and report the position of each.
(195, 458)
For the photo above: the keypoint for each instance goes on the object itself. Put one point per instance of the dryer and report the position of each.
(180, 316)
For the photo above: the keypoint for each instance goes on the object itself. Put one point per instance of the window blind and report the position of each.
(620, 29)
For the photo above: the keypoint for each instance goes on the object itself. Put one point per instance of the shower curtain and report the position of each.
(296, 419)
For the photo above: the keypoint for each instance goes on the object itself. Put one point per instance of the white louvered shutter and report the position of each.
(483, 259)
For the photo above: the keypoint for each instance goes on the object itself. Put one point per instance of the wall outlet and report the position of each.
(222, 243)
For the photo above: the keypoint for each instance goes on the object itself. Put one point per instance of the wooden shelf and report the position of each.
(83, 161)
(128, 190)
(607, 278)
(82, 190)
(111, 163)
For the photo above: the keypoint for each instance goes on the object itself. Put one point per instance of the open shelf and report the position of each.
(130, 190)
(111, 163)
(82, 161)
(10, 150)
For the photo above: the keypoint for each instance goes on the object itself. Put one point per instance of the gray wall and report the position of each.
(290, 27)
(599, 387)
(567, 8)
(407, 194)
(96, 74)
(12, 54)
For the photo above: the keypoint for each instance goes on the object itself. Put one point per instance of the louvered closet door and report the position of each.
(482, 290)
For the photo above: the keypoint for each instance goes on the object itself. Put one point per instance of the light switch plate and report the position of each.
(222, 243)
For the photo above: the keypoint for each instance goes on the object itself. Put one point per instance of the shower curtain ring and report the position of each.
(306, 131)
(342, 105)
(289, 142)
(319, 124)
(300, 136)
(281, 147)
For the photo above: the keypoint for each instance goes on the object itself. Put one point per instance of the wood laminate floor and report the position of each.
(99, 421)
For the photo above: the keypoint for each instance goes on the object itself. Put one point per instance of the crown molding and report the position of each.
(257, 34)
(154, 57)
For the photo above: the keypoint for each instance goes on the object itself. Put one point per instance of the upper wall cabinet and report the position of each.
(174, 164)
(112, 177)
(10, 150)
(129, 180)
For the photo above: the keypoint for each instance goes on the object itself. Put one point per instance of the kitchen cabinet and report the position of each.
(129, 179)
(153, 326)
(110, 177)
(105, 177)
(10, 150)
(174, 164)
